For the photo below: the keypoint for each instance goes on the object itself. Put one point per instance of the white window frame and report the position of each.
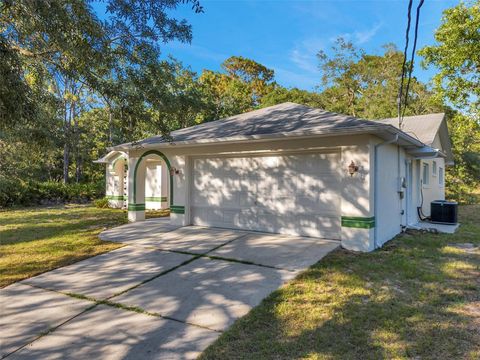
(441, 176)
(434, 168)
(426, 174)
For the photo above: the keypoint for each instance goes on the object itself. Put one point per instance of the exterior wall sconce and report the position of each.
(352, 168)
(174, 171)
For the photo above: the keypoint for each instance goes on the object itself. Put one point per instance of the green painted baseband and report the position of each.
(177, 209)
(156, 198)
(136, 207)
(358, 222)
(116, 197)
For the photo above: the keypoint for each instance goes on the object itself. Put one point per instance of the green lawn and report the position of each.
(35, 240)
(416, 298)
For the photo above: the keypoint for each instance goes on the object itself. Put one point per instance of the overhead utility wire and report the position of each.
(400, 90)
(413, 56)
(400, 99)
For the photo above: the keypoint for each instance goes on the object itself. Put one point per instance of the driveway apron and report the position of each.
(168, 294)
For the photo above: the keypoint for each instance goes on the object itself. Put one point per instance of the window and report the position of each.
(426, 174)
(440, 176)
(434, 168)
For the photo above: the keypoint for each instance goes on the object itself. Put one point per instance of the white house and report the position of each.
(288, 169)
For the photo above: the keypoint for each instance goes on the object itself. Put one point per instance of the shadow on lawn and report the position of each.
(54, 222)
(402, 301)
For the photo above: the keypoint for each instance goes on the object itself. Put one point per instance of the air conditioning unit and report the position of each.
(443, 212)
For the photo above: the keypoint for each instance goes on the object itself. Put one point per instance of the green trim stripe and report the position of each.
(136, 207)
(156, 198)
(177, 209)
(358, 222)
(116, 197)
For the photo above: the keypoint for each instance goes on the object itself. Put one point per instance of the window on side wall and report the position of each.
(434, 168)
(426, 174)
(440, 176)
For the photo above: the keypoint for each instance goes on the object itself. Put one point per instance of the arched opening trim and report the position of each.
(162, 155)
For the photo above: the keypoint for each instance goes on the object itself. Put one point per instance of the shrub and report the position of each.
(16, 192)
(101, 203)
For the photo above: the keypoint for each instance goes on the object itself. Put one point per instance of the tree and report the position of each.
(456, 55)
(223, 96)
(61, 51)
(464, 177)
(257, 76)
(239, 88)
(66, 36)
(280, 95)
(365, 85)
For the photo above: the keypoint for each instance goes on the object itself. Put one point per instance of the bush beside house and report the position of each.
(17, 192)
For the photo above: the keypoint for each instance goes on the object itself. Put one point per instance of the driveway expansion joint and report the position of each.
(53, 328)
(240, 240)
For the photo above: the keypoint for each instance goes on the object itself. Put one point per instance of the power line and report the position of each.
(413, 55)
(401, 112)
(400, 90)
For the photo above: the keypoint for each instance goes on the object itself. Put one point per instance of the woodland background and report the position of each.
(72, 85)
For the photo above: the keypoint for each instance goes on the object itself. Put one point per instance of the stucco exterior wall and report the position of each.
(356, 205)
(156, 185)
(398, 185)
(397, 210)
(435, 189)
(391, 170)
(114, 176)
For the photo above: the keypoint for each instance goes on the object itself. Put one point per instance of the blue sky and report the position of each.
(286, 35)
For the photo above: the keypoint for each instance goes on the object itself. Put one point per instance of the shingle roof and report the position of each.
(422, 127)
(287, 118)
(294, 120)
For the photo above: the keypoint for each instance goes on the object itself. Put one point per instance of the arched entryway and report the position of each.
(116, 184)
(146, 189)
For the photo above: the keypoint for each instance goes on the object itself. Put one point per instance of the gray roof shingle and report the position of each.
(422, 127)
(287, 118)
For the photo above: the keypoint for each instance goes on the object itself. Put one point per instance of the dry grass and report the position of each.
(417, 298)
(35, 240)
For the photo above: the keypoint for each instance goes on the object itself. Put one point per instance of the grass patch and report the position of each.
(150, 214)
(417, 297)
(37, 239)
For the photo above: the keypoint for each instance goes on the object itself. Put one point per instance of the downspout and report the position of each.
(375, 188)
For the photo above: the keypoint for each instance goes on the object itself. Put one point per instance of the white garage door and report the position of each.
(287, 194)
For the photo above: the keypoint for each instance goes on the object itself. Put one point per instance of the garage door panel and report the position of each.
(246, 199)
(231, 199)
(291, 194)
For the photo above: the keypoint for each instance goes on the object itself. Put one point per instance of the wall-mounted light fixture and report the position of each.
(174, 171)
(352, 168)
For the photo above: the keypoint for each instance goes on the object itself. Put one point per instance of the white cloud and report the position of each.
(359, 37)
(362, 37)
(304, 55)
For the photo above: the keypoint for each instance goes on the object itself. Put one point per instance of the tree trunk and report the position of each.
(78, 161)
(66, 160)
(110, 127)
(66, 145)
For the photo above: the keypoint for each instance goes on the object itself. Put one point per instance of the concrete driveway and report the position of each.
(167, 294)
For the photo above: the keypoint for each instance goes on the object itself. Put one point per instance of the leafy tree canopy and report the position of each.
(456, 55)
(239, 88)
(366, 86)
(66, 36)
